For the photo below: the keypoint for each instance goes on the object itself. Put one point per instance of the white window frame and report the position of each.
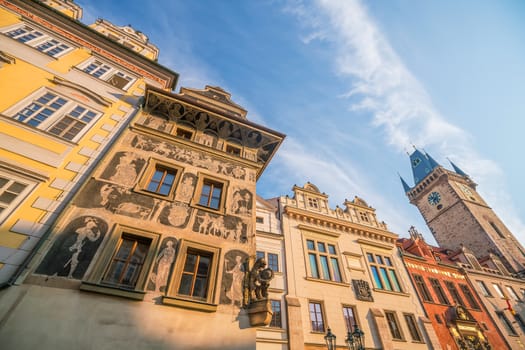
(60, 113)
(13, 177)
(108, 74)
(39, 40)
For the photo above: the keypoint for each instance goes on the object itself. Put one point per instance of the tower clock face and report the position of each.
(434, 198)
(466, 190)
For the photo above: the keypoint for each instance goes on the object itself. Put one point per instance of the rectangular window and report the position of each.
(108, 73)
(184, 134)
(313, 203)
(440, 292)
(350, 318)
(520, 321)
(236, 151)
(211, 194)
(316, 317)
(454, 293)
(470, 297)
(324, 261)
(272, 260)
(483, 287)
(57, 115)
(195, 274)
(438, 319)
(259, 220)
(413, 328)
(383, 272)
(126, 265)
(422, 288)
(39, 40)
(162, 180)
(260, 255)
(393, 325)
(276, 317)
(512, 293)
(506, 322)
(499, 292)
(13, 190)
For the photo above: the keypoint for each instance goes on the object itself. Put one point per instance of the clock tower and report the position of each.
(456, 213)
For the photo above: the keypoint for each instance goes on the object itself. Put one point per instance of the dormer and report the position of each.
(361, 212)
(67, 7)
(310, 198)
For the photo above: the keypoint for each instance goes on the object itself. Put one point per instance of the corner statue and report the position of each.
(256, 294)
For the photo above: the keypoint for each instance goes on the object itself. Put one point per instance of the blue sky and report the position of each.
(354, 84)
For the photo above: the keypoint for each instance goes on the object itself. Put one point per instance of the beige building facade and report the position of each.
(343, 269)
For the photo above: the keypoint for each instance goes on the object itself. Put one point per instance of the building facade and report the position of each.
(458, 316)
(67, 91)
(343, 270)
(456, 213)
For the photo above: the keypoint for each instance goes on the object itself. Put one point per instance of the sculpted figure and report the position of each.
(260, 278)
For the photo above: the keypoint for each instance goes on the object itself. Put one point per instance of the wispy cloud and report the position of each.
(379, 83)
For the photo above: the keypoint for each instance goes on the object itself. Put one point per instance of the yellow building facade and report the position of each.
(67, 91)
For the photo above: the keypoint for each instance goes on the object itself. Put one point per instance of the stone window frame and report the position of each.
(277, 316)
(422, 287)
(507, 323)
(317, 254)
(350, 327)
(471, 298)
(413, 328)
(172, 296)
(43, 38)
(201, 179)
(498, 290)
(266, 256)
(513, 293)
(394, 319)
(233, 148)
(57, 116)
(484, 289)
(149, 171)
(454, 293)
(439, 291)
(323, 316)
(94, 282)
(392, 268)
(183, 132)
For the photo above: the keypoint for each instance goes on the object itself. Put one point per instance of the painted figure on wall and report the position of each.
(186, 188)
(175, 214)
(166, 257)
(241, 202)
(233, 277)
(73, 250)
(123, 169)
(227, 227)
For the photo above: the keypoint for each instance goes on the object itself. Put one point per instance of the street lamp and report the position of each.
(329, 338)
(355, 340)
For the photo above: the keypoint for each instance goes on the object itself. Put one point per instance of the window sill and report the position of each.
(220, 211)
(342, 284)
(110, 290)
(392, 292)
(189, 304)
(272, 329)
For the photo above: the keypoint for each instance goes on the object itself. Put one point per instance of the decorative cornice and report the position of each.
(99, 99)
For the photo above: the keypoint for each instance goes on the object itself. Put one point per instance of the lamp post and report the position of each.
(329, 338)
(355, 340)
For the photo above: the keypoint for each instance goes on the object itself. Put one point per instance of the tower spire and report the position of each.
(422, 165)
(403, 182)
(457, 169)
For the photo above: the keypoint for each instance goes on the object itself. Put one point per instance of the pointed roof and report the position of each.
(405, 185)
(422, 165)
(457, 169)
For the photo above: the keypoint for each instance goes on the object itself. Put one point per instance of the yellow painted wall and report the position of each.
(7, 18)
(71, 59)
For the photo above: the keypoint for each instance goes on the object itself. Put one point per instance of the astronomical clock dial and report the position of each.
(466, 190)
(434, 198)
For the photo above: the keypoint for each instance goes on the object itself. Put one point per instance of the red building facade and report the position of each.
(455, 310)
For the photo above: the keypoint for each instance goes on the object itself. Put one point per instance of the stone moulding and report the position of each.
(260, 313)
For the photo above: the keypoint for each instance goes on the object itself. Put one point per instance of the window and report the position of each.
(236, 151)
(499, 292)
(512, 293)
(438, 319)
(210, 193)
(438, 289)
(454, 293)
(316, 317)
(470, 297)
(57, 115)
(484, 289)
(109, 74)
(506, 322)
(383, 272)
(324, 261)
(162, 180)
(13, 190)
(413, 328)
(127, 263)
(350, 319)
(184, 134)
(496, 229)
(272, 259)
(194, 274)
(422, 288)
(313, 203)
(393, 325)
(37, 39)
(259, 220)
(276, 317)
(363, 216)
(520, 321)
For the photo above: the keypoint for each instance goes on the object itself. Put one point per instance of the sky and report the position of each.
(355, 85)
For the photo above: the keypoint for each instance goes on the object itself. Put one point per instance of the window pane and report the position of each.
(185, 284)
(370, 257)
(191, 260)
(385, 278)
(273, 262)
(276, 316)
(377, 279)
(393, 279)
(310, 245)
(321, 247)
(324, 267)
(335, 269)
(313, 265)
(331, 249)
(349, 316)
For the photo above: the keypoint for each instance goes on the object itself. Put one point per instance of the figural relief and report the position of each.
(123, 169)
(241, 202)
(158, 280)
(233, 277)
(116, 199)
(156, 123)
(188, 156)
(73, 249)
(175, 214)
(227, 227)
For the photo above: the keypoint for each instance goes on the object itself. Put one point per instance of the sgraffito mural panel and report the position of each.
(74, 248)
(158, 279)
(123, 168)
(233, 277)
(241, 202)
(228, 227)
(175, 214)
